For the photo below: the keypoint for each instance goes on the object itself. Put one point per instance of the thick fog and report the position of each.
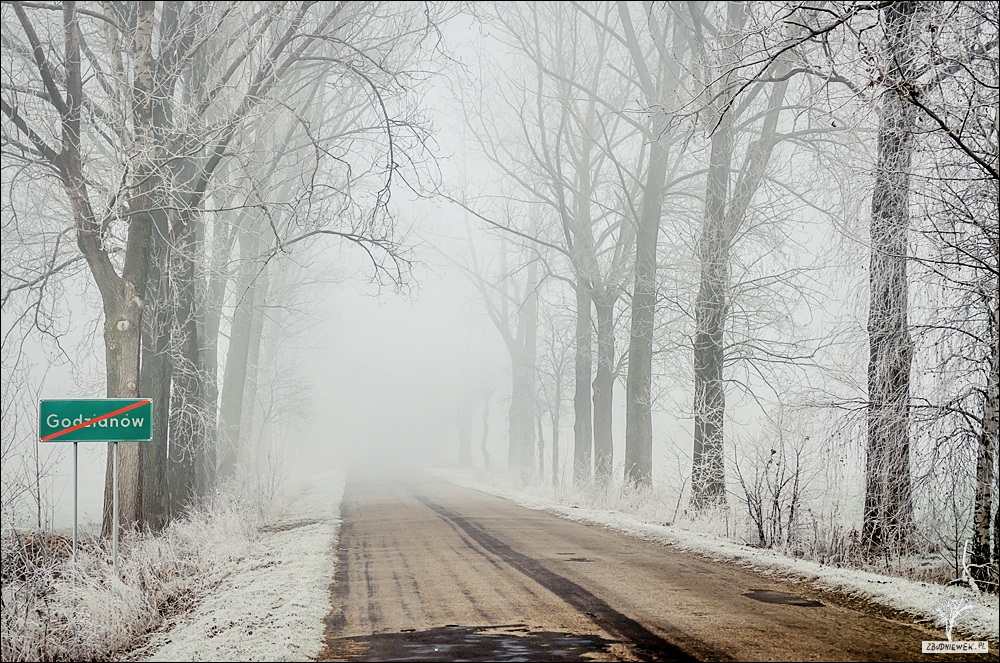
(736, 258)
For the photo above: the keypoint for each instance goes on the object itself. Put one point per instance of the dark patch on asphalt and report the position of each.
(514, 642)
(781, 598)
(648, 646)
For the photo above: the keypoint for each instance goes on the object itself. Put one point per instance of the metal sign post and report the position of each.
(76, 498)
(111, 420)
(114, 519)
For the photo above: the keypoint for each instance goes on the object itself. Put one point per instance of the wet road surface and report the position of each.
(429, 571)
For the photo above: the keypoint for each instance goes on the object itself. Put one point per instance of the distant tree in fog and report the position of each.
(508, 285)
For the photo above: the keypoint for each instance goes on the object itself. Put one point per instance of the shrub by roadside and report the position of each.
(49, 613)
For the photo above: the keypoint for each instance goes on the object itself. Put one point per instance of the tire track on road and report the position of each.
(649, 646)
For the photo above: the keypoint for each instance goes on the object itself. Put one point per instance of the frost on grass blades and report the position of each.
(49, 616)
(271, 604)
(740, 256)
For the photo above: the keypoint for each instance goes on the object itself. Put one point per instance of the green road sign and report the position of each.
(97, 420)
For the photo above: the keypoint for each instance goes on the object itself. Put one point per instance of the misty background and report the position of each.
(739, 259)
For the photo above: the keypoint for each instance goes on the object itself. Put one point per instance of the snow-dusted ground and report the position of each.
(271, 604)
(922, 600)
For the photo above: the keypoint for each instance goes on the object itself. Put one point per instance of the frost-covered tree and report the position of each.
(151, 118)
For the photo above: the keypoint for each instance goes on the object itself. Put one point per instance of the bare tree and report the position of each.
(655, 83)
(510, 294)
(729, 196)
(888, 520)
(553, 370)
(935, 71)
(155, 156)
(583, 156)
(955, 235)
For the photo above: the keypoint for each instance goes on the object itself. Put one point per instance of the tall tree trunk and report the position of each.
(209, 320)
(249, 421)
(541, 448)
(530, 315)
(187, 409)
(583, 366)
(155, 377)
(708, 487)
(638, 383)
(156, 371)
(123, 298)
(519, 396)
(725, 215)
(986, 469)
(888, 515)
(604, 383)
(199, 314)
(234, 379)
(122, 342)
(556, 424)
(486, 434)
(463, 417)
(523, 360)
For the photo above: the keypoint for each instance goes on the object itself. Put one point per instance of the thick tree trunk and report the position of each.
(122, 347)
(186, 428)
(123, 318)
(234, 379)
(155, 378)
(156, 371)
(888, 515)
(708, 487)
(986, 471)
(249, 420)
(187, 410)
(236, 373)
(604, 383)
(209, 319)
(638, 383)
(727, 200)
(122, 296)
(583, 366)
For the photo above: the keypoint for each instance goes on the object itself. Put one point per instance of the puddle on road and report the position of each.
(781, 598)
(573, 559)
(470, 643)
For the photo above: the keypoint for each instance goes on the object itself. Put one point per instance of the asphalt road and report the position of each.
(429, 571)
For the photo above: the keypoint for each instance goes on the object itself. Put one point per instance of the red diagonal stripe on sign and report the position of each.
(130, 406)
